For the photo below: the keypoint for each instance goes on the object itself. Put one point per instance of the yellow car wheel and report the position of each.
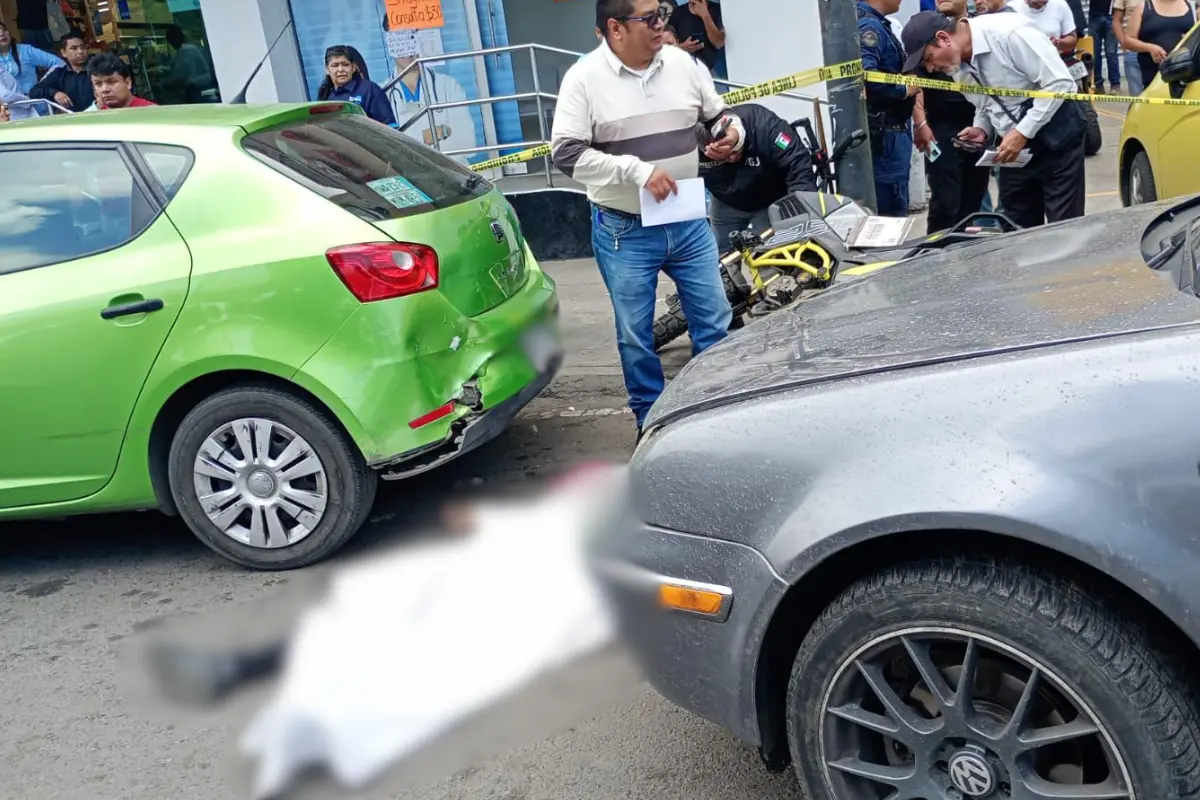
(1140, 186)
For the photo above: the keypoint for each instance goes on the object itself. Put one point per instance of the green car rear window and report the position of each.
(366, 168)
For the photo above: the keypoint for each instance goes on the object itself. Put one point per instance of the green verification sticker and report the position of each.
(399, 192)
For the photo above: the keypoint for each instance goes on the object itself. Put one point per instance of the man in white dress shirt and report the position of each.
(1007, 51)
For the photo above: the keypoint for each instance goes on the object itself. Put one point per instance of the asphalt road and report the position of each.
(71, 592)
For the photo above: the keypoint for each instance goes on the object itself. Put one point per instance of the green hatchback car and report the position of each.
(246, 315)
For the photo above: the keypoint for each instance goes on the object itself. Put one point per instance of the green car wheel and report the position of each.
(268, 480)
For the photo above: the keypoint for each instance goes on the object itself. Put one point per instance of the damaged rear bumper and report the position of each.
(469, 431)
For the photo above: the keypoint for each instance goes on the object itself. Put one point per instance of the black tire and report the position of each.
(671, 325)
(1139, 180)
(351, 485)
(1093, 138)
(1134, 691)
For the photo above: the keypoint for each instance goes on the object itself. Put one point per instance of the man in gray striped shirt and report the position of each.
(625, 120)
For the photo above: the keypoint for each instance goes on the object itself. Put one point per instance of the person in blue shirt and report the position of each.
(889, 108)
(22, 61)
(345, 82)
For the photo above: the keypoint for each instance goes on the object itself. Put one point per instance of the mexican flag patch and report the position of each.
(783, 141)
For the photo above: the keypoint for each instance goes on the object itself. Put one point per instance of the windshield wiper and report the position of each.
(1169, 248)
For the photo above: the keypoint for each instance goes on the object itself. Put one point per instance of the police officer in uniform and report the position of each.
(889, 108)
(773, 163)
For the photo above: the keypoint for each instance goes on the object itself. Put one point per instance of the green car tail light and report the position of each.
(385, 270)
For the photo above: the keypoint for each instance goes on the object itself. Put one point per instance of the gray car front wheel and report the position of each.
(977, 679)
(267, 479)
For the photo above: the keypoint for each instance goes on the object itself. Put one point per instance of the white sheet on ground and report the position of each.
(407, 646)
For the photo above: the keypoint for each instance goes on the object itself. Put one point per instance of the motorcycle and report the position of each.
(814, 237)
(738, 290)
(1079, 62)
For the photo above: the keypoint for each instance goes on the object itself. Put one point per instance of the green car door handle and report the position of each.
(126, 309)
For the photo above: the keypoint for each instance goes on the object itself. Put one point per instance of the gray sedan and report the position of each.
(936, 533)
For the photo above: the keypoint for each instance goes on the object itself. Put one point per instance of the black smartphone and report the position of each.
(706, 136)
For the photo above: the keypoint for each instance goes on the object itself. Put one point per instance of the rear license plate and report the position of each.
(541, 346)
(1079, 70)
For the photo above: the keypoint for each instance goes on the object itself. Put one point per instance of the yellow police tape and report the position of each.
(853, 69)
(872, 76)
(848, 69)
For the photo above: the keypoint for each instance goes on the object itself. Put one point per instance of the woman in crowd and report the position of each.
(1153, 29)
(347, 80)
(22, 61)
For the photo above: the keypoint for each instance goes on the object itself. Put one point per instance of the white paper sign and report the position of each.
(881, 232)
(687, 205)
(408, 43)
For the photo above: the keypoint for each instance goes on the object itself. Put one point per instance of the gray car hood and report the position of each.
(1081, 279)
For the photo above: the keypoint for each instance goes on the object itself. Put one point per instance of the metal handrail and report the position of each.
(420, 64)
(38, 101)
(487, 51)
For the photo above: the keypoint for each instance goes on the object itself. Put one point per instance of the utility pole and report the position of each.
(847, 99)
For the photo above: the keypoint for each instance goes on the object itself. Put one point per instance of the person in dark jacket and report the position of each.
(69, 86)
(347, 83)
(958, 187)
(773, 164)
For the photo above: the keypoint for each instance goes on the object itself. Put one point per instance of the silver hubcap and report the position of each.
(1135, 187)
(260, 483)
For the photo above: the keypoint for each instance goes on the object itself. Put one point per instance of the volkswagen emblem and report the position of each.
(497, 231)
(971, 775)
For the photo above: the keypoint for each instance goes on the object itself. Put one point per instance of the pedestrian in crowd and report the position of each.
(772, 164)
(1007, 51)
(1154, 28)
(11, 93)
(69, 86)
(23, 61)
(112, 84)
(347, 81)
(190, 69)
(1120, 24)
(995, 7)
(894, 117)
(1053, 18)
(1100, 28)
(625, 120)
(33, 20)
(699, 30)
(957, 186)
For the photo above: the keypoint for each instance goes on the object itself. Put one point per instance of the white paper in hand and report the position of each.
(687, 205)
(988, 159)
(408, 646)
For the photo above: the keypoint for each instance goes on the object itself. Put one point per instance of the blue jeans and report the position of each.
(1133, 74)
(1101, 31)
(891, 174)
(630, 258)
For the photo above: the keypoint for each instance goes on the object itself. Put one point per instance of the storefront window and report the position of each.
(163, 41)
(362, 24)
(166, 45)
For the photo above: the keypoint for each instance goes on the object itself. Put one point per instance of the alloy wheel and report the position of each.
(944, 714)
(1135, 187)
(260, 483)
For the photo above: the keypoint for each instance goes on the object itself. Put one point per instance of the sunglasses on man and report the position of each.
(655, 20)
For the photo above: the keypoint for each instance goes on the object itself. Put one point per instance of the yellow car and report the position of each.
(1157, 152)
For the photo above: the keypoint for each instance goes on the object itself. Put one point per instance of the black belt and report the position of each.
(891, 127)
(616, 212)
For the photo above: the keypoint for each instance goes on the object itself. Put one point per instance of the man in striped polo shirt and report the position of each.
(625, 120)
